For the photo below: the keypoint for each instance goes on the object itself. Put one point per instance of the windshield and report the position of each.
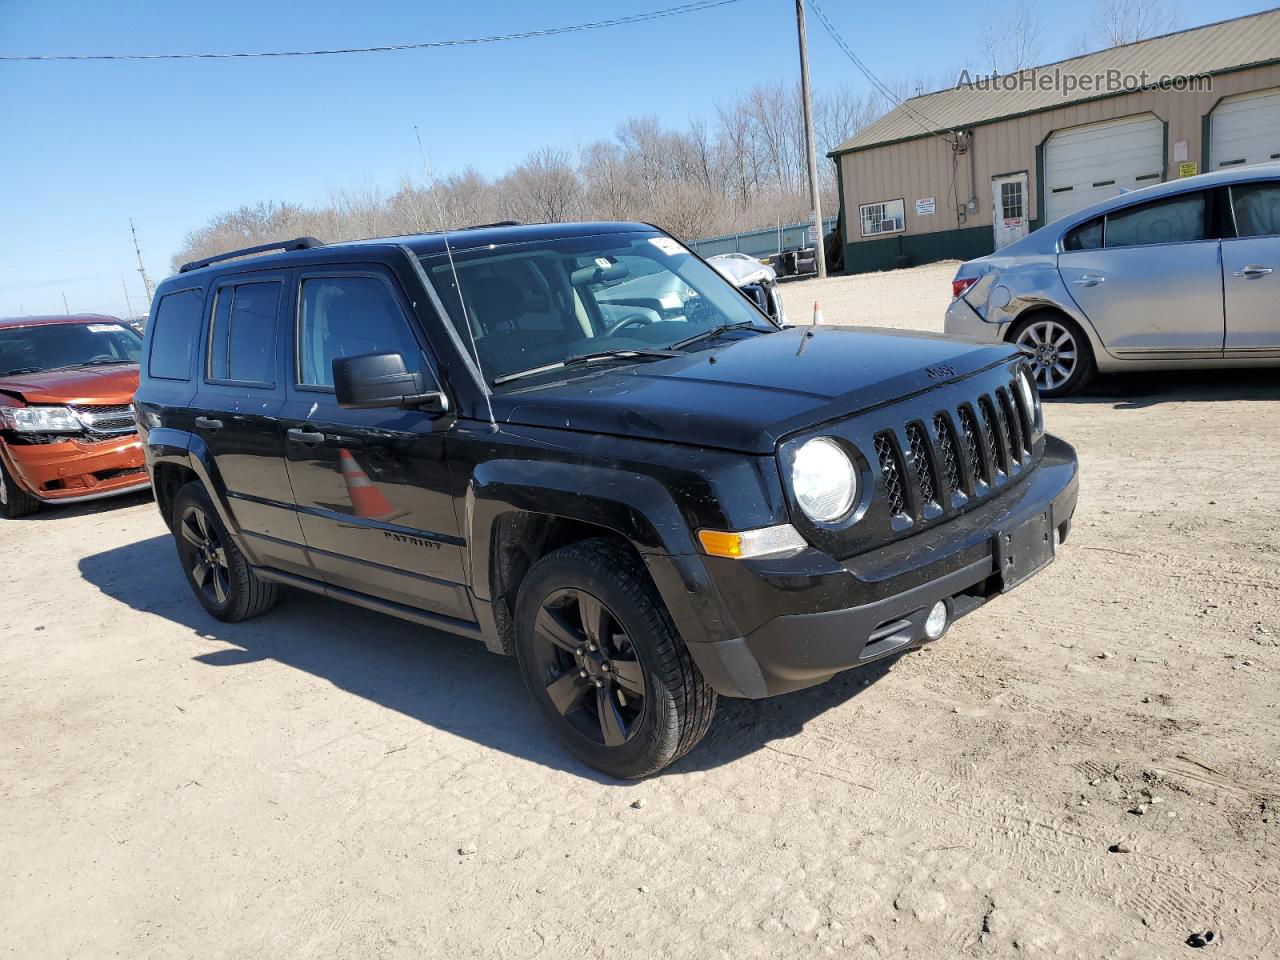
(58, 346)
(535, 305)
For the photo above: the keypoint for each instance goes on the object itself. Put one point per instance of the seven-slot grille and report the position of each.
(962, 452)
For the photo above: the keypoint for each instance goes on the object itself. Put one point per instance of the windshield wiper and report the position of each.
(624, 353)
(17, 370)
(100, 363)
(715, 332)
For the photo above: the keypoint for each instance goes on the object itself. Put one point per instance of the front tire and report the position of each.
(15, 502)
(604, 663)
(216, 570)
(1059, 353)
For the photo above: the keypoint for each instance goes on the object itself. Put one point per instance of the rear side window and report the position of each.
(1178, 219)
(1257, 209)
(1087, 236)
(173, 334)
(348, 317)
(242, 342)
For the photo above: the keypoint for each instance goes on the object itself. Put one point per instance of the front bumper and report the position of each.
(816, 617)
(72, 470)
(962, 320)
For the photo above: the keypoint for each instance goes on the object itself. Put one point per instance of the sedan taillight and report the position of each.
(961, 284)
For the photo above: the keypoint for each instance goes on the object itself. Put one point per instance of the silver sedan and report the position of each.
(1178, 275)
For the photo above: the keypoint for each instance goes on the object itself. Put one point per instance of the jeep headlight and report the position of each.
(40, 419)
(823, 480)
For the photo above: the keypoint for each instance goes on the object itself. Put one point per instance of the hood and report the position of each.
(751, 393)
(740, 271)
(105, 385)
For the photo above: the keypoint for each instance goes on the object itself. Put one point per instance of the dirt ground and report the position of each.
(326, 782)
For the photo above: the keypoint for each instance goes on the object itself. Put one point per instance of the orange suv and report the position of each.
(67, 430)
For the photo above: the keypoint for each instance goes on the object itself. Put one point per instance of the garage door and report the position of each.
(1245, 129)
(1083, 165)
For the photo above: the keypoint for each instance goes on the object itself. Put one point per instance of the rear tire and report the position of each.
(216, 570)
(604, 663)
(15, 502)
(1059, 352)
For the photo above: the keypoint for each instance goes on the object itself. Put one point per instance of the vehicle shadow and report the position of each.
(448, 682)
(1133, 391)
(53, 513)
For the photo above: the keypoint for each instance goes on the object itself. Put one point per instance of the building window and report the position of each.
(886, 217)
(1011, 199)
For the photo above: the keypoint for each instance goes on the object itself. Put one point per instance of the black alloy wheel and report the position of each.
(204, 555)
(592, 675)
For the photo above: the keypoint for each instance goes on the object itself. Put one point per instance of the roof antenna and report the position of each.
(444, 232)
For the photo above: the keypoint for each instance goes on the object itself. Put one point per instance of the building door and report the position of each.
(1245, 130)
(1009, 208)
(1097, 161)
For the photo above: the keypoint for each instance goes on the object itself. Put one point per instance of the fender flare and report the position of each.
(636, 507)
(168, 446)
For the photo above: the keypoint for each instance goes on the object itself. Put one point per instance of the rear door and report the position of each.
(236, 413)
(1149, 277)
(1251, 269)
(371, 486)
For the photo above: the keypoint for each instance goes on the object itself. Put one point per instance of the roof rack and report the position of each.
(297, 243)
(496, 223)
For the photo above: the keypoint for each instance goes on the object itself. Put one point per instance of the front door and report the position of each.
(1009, 208)
(1251, 270)
(1154, 286)
(371, 486)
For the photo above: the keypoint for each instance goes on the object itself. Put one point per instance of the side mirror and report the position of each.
(384, 380)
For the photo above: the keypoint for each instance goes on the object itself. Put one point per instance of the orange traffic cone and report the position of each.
(365, 496)
(817, 313)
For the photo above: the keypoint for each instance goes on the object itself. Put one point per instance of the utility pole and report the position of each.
(127, 301)
(146, 281)
(810, 147)
(65, 305)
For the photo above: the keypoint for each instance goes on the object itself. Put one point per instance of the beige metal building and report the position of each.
(963, 171)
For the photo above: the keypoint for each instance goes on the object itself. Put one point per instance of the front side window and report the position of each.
(540, 304)
(1179, 219)
(242, 342)
(173, 334)
(349, 317)
(63, 346)
(1257, 209)
(886, 217)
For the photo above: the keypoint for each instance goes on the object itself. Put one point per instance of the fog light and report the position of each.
(937, 621)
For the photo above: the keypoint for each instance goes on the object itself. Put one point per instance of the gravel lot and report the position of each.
(325, 782)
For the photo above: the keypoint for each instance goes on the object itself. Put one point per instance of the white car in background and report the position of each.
(757, 280)
(1179, 275)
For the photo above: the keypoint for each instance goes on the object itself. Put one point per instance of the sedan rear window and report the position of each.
(1087, 236)
(1179, 219)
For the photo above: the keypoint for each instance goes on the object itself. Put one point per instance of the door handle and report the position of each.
(1253, 270)
(304, 436)
(1089, 280)
(207, 423)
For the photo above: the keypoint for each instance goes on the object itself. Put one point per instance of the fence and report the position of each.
(761, 243)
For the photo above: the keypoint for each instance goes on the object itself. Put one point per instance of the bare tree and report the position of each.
(544, 188)
(1124, 21)
(1011, 37)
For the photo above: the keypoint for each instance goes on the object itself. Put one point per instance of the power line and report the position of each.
(921, 120)
(392, 48)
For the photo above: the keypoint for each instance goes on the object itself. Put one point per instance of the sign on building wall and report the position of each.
(1187, 169)
(925, 206)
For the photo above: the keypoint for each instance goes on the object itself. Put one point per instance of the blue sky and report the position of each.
(88, 145)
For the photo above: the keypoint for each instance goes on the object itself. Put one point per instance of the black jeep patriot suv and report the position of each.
(578, 444)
